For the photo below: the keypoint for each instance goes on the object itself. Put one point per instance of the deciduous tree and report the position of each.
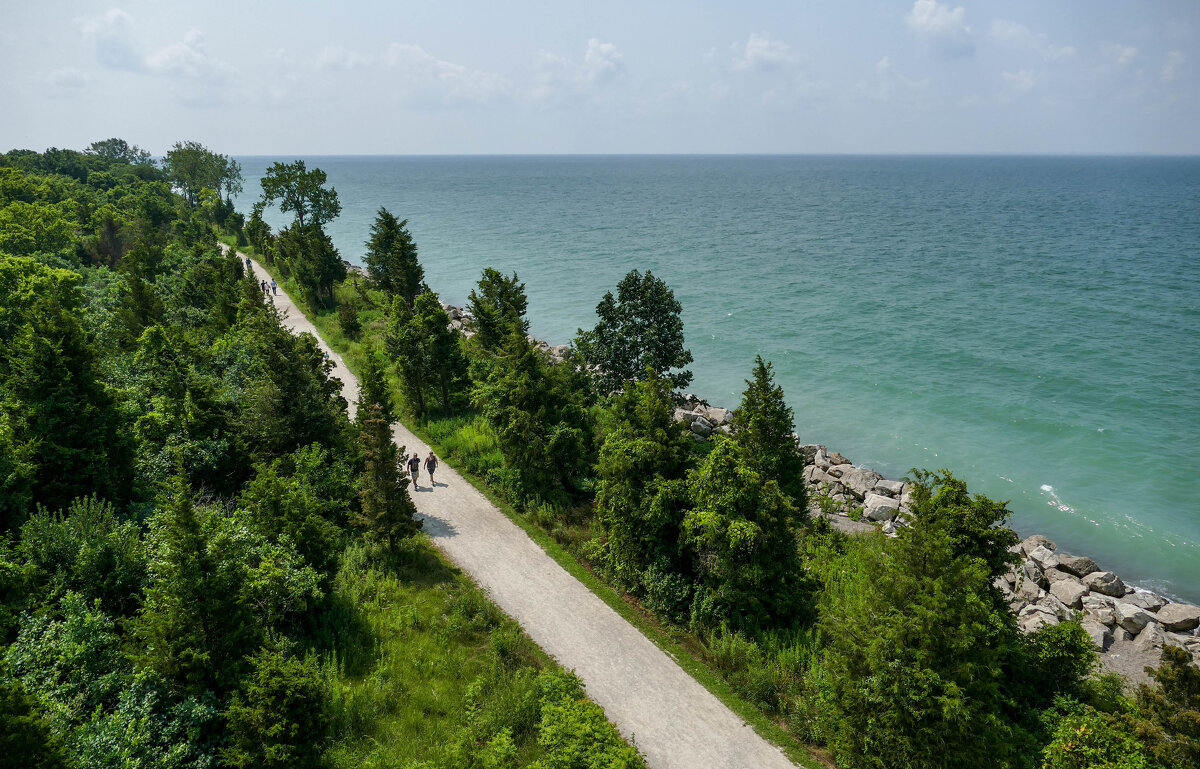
(301, 192)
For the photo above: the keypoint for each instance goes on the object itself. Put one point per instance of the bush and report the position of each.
(348, 320)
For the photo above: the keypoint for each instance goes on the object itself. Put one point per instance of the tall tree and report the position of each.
(763, 425)
(640, 496)
(639, 329)
(427, 354)
(392, 258)
(193, 167)
(310, 257)
(119, 151)
(301, 192)
(387, 510)
(742, 531)
(499, 306)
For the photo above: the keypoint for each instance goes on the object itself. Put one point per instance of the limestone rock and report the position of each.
(835, 471)
(1100, 635)
(809, 451)
(889, 528)
(1035, 617)
(1036, 540)
(1147, 600)
(1105, 582)
(1032, 572)
(837, 459)
(879, 508)
(1044, 557)
(1099, 609)
(1060, 609)
(1151, 638)
(1179, 616)
(889, 488)
(1029, 590)
(1057, 575)
(1070, 592)
(702, 427)
(1132, 618)
(1079, 565)
(861, 481)
(821, 459)
(718, 415)
(906, 499)
(815, 476)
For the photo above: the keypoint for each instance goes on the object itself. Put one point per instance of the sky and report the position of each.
(671, 76)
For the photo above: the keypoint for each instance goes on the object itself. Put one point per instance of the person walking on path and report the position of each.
(249, 266)
(274, 286)
(414, 468)
(430, 466)
(263, 285)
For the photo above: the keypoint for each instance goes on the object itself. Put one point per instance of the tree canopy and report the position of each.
(301, 192)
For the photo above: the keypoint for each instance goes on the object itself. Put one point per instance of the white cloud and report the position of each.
(1170, 69)
(943, 27)
(602, 62)
(112, 35)
(187, 59)
(1019, 36)
(890, 81)
(1121, 55)
(762, 54)
(334, 57)
(423, 77)
(558, 79)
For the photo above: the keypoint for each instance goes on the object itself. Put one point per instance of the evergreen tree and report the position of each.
(763, 425)
(638, 330)
(498, 306)
(277, 717)
(60, 421)
(392, 258)
(373, 386)
(914, 662)
(640, 497)
(974, 523)
(427, 354)
(310, 258)
(387, 510)
(27, 738)
(540, 419)
(742, 532)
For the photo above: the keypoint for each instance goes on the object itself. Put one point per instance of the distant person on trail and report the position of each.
(249, 267)
(263, 285)
(274, 286)
(430, 466)
(414, 468)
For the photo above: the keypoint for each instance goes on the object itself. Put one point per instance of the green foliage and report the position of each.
(1173, 709)
(639, 330)
(193, 167)
(86, 549)
(277, 715)
(391, 258)
(574, 731)
(911, 671)
(1092, 741)
(117, 150)
(34, 228)
(640, 497)
(541, 424)
(974, 523)
(308, 256)
(498, 307)
(742, 534)
(348, 319)
(763, 425)
(26, 738)
(427, 354)
(373, 385)
(301, 192)
(388, 512)
(60, 419)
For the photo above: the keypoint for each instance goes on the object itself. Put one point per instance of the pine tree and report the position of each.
(387, 510)
(392, 258)
(498, 307)
(763, 426)
(373, 385)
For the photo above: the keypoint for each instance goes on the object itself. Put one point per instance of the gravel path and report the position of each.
(673, 720)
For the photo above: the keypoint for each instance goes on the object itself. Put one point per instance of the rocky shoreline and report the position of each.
(1128, 626)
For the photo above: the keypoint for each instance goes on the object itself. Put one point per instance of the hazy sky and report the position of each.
(359, 77)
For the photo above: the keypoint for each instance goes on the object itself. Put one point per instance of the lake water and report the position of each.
(1032, 324)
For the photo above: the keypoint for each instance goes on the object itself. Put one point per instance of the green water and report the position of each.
(1032, 324)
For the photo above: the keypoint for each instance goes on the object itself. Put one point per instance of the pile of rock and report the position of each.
(1049, 586)
(850, 489)
(701, 419)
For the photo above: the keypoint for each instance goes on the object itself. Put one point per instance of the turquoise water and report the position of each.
(1032, 324)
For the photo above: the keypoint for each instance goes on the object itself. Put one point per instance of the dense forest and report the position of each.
(204, 561)
(882, 652)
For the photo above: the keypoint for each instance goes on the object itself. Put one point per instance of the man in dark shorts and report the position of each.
(414, 467)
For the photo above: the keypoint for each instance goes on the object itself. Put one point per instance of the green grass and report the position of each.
(454, 439)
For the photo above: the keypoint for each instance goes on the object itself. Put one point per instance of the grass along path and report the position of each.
(672, 719)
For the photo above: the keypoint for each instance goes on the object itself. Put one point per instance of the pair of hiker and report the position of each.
(414, 467)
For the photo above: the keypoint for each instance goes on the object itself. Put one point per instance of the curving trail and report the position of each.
(673, 720)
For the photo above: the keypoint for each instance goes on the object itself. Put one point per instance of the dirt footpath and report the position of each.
(672, 719)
